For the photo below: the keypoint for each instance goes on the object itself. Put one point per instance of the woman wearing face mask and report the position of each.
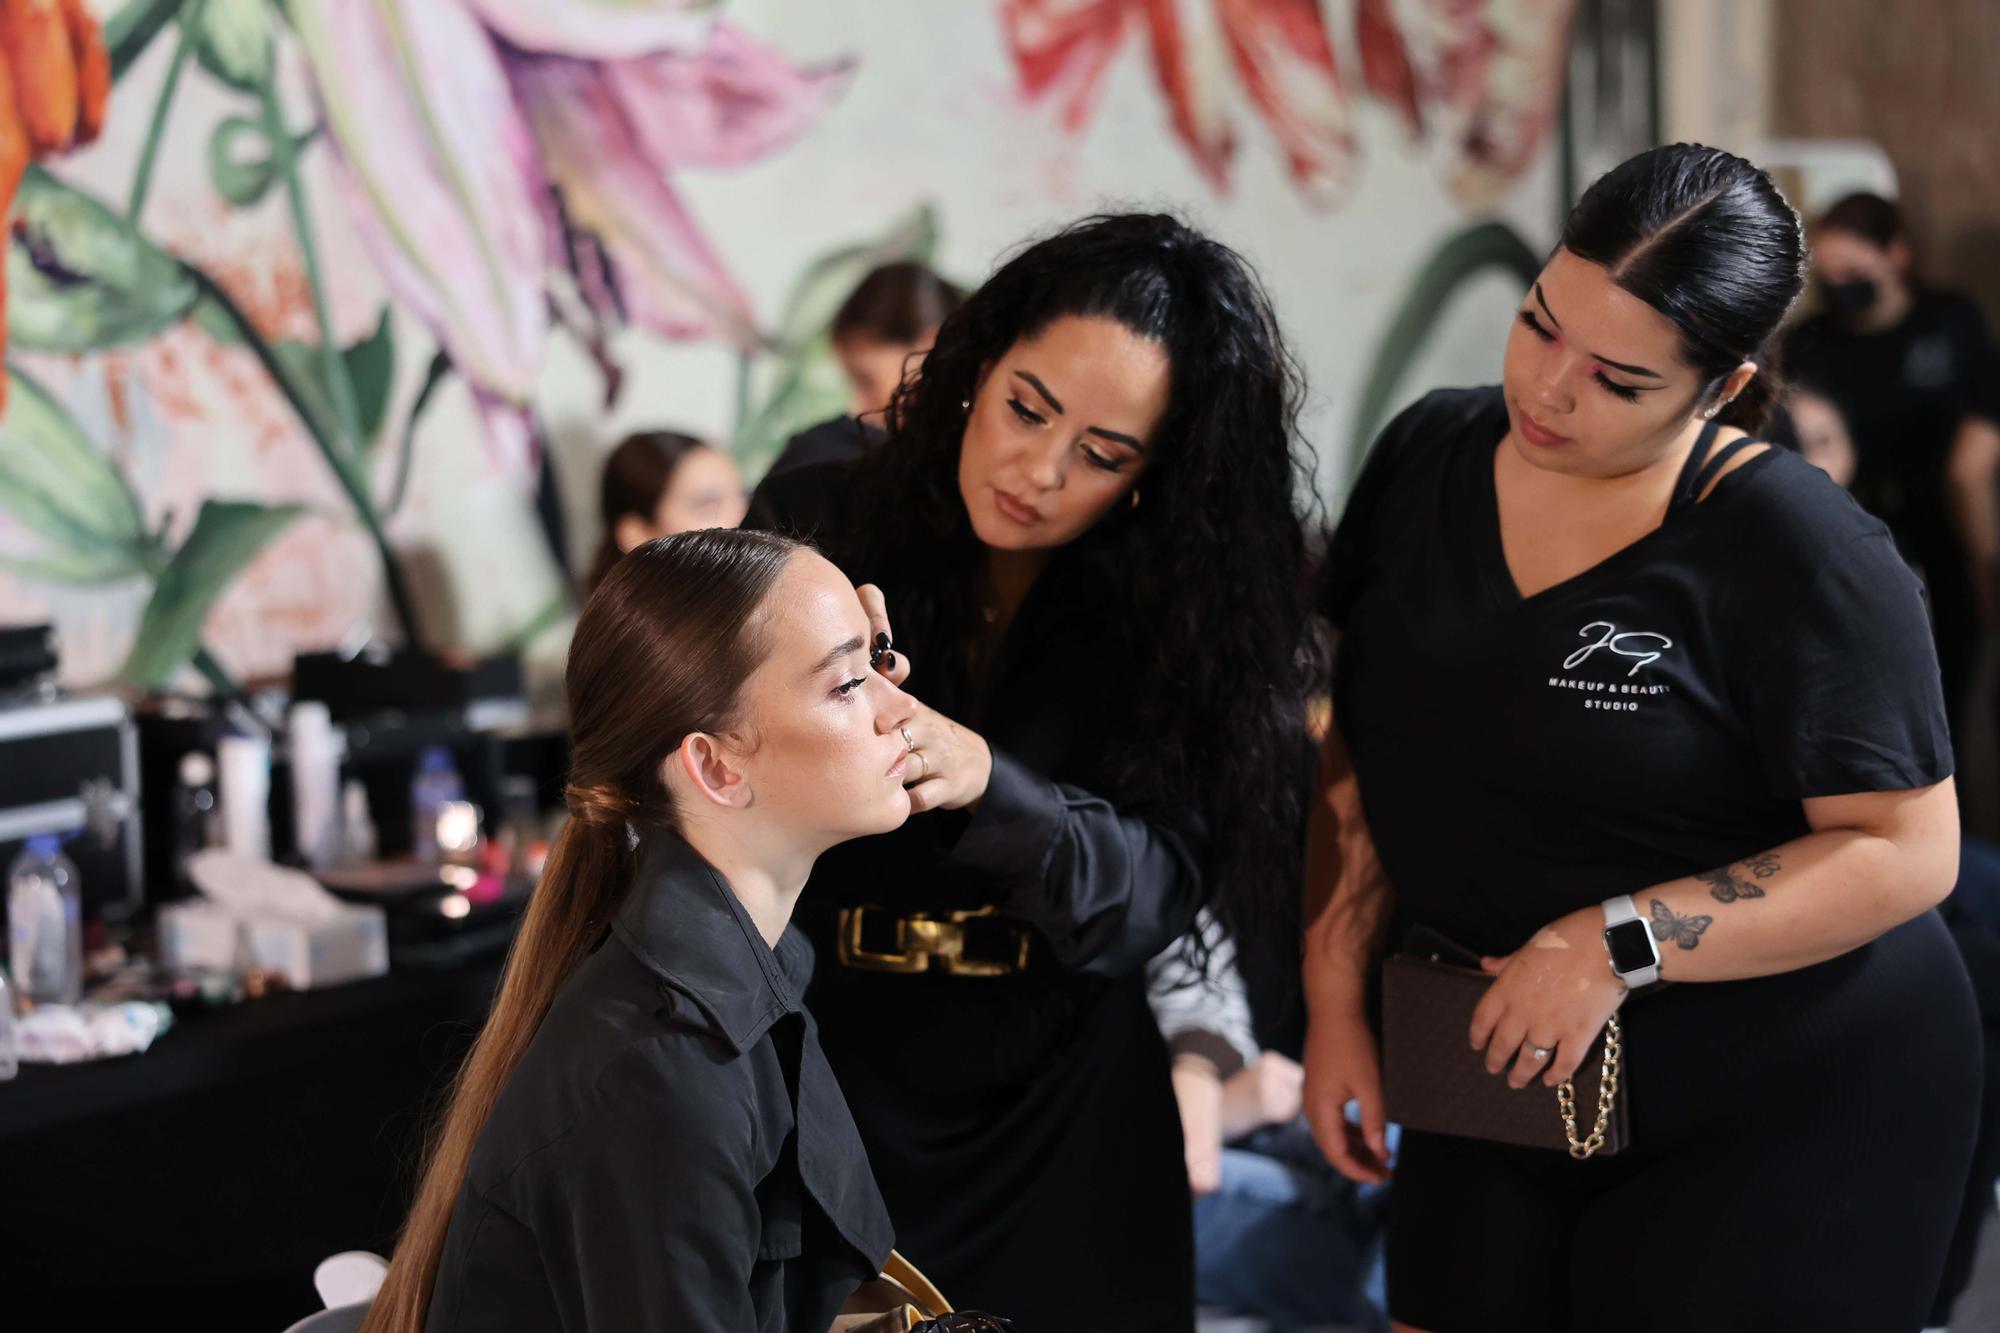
(1085, 522)
(1604, 659)
(645, 1134)
(660, 482)
(1913, 371)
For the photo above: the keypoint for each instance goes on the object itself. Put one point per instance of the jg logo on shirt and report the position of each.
(1614, 647)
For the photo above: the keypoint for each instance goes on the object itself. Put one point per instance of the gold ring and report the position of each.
(919, 754)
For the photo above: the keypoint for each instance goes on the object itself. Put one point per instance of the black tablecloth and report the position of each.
(200, 1182)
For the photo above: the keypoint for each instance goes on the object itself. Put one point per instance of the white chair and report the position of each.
(346, 1282)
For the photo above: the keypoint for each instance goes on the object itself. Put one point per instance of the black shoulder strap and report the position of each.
(1713, 468)
(1684, 484)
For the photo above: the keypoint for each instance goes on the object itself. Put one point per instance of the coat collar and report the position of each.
(682, 920)
(684, 923)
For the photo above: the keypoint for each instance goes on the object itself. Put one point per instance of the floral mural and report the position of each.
(301, 294)
(508, 166)
(476, 139)
(1480, 79)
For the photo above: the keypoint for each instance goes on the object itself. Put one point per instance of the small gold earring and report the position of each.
(1135, 497)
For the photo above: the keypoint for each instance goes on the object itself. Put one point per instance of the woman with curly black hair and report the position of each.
(1086, 524)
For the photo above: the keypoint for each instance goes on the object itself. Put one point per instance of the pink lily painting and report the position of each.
(488, 148)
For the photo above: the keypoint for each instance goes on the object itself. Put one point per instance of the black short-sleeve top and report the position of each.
(1661, 713)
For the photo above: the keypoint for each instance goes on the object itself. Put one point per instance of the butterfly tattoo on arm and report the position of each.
(1725, 885)
(1684, 931)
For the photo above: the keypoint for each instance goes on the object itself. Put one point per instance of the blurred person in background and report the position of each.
(660, 482)
(880, 336)
(1814, 427)
(1279, 1235)
(1912, 370)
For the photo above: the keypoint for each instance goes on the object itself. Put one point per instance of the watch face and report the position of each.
(1631, 945)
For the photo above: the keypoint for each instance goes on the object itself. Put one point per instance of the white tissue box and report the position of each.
(199, 935)
(347, 945)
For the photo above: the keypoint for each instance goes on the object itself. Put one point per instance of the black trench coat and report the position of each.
(1023, 1128)
(672, 1153)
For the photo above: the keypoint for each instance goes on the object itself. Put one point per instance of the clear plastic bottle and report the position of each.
(436, 784)
(45, 923)
(357, 830)
(197, 813)
(10, 1054)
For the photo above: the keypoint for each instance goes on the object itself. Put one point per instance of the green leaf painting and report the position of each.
(66, 492)
(817, 296)
(132, 29)
(227, 536)
(81, 278)
(370, 366)
(805, 381)
(1460, 259)
(233, 40)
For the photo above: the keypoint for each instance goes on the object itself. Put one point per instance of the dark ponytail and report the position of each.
(1706, 239)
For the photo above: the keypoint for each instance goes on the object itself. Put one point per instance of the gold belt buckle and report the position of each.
(921, 940)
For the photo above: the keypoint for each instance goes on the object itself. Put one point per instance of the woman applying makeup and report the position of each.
(1085, 522)
(1624, 696)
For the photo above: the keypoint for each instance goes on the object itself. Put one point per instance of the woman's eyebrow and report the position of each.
(1115, 436)
(1041, 389)
(834, 655)
(1601, 360)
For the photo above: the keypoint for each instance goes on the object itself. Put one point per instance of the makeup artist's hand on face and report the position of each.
(951, 766)
(892, 663)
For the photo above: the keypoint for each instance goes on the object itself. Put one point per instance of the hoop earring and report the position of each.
(1135, 497)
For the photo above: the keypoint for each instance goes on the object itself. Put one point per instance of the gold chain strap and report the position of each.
(1607, 1095)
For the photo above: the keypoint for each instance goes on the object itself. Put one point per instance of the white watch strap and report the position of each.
(1617, 911)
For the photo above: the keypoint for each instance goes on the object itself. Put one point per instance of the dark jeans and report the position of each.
(1288, 1239)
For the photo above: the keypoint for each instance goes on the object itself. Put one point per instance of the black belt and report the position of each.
(973, 943)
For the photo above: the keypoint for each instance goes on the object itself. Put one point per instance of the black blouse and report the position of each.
(1659, 714)
(672, 1151)
(1022, 1126)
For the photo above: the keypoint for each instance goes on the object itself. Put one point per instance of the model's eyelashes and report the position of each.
(1026, 413)
(843, 691)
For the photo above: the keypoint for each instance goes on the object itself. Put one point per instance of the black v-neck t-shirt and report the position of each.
(1659, 714)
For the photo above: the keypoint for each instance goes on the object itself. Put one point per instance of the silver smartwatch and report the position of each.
(1635, 958)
